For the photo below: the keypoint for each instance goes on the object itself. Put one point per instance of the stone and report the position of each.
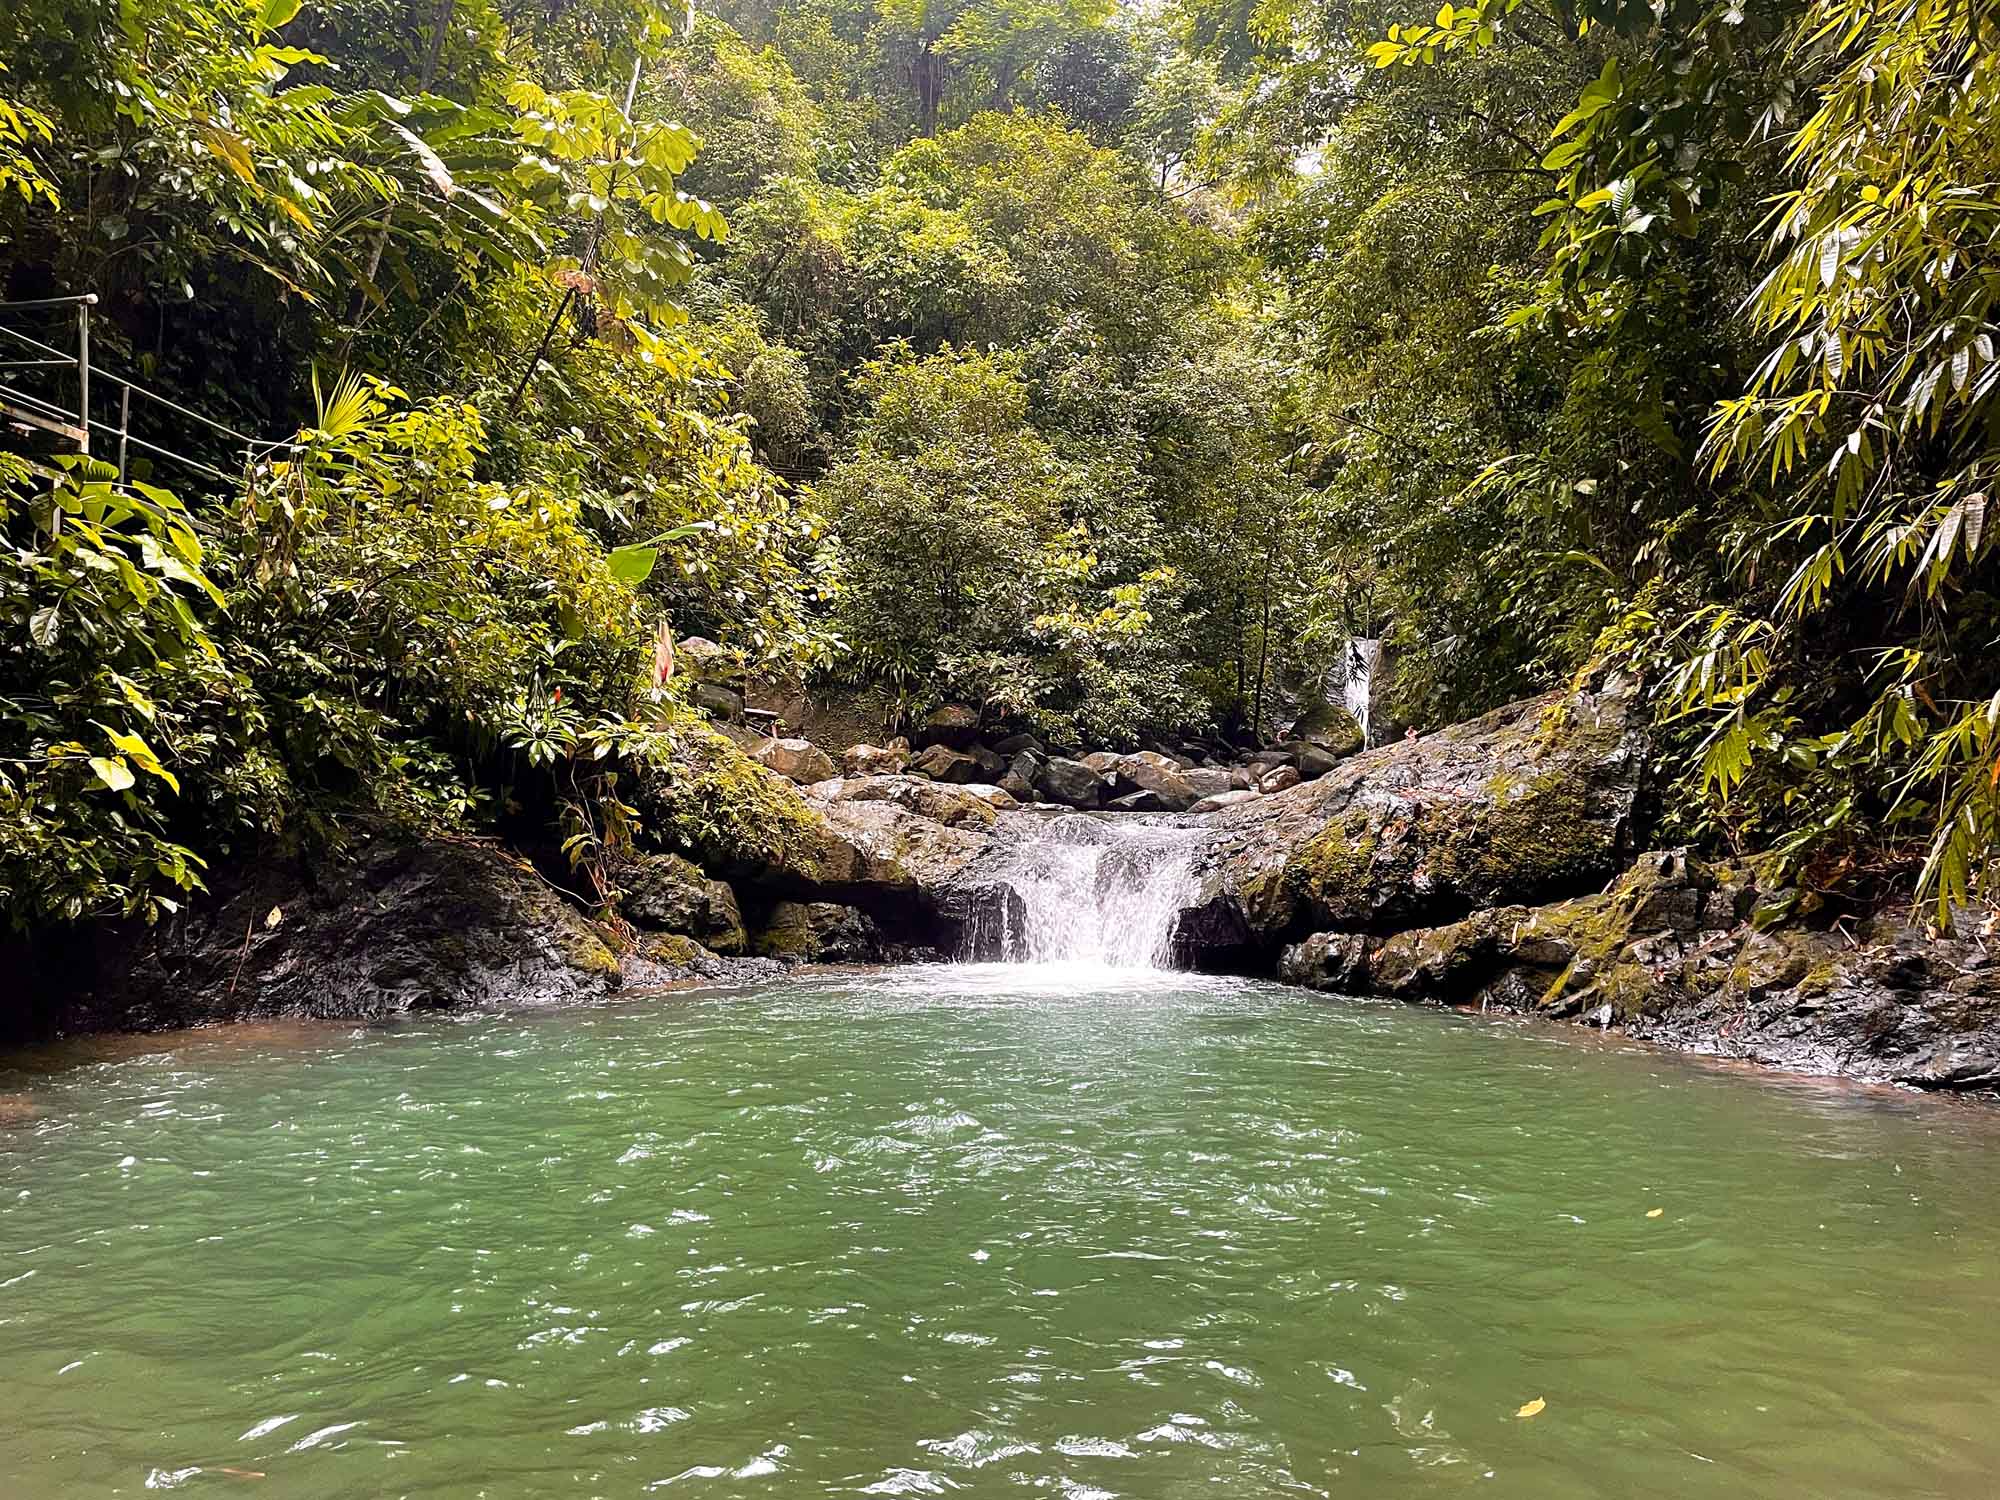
(902, 858)
(1209, 781)
(823, 932)
(875, 760)
(960, 805)
(994, 796)
(392, 925)
(1016, 744)
(1072, 783)
(954, 726)
(1141, 801)
(983, 922)
(797, 760)
(1528, 804)
(1104, 762)
(992, 764)
(940, 763)
(665, 893)
(705, 661)
(1328, 725)
(1017, 786)
(1158, 758)
(1219, 800)
(1165, 783)
(717, 701)
(1279, 779)
(1314, 761)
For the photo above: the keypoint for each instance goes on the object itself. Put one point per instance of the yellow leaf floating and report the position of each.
(1532, 1408)
(1654, 1213)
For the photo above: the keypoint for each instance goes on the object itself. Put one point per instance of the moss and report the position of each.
(1539, 836)
(1332, 870)
(1818, 980)
(672, 949)
(583, 949)
(732, 813)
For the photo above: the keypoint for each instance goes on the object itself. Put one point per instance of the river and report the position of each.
(1039, 1230)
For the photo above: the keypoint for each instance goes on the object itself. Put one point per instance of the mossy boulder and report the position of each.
(394, 924)
(664, 893)
(1528, 804)
(743, 822)
(821, 932)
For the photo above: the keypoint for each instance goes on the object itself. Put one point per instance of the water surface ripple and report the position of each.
(985, 1231)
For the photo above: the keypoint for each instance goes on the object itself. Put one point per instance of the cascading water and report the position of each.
(1358, 685)
(1098, 892)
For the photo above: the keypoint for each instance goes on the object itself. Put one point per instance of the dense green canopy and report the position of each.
(1107, 369)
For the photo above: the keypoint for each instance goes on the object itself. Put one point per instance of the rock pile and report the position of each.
(1194, 777)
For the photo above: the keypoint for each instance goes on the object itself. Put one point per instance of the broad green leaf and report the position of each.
(633, 564)
(113, 773)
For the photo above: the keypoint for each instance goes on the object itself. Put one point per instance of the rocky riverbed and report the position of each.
(1498, 864)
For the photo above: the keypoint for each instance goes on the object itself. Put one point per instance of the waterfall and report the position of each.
(1358, 682)
(1098, 892)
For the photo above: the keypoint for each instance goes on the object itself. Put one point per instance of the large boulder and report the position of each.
(1209, 781)
(926, 853)
(796, 760)
(1021, 775)
(876, 760)
(718, 701)
(1156, 776)
(393, 926)
(1314, 760)
(955, 806)
(821, 932)
(955, 726)
(1330, 726)
(705, 661)
(1072, 783)
(942, 764)
(1530, 803)
(1278, 779)
(744, 823)
(666, 893)
(1221, 800)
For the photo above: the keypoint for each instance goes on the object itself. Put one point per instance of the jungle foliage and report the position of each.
(1109, 369)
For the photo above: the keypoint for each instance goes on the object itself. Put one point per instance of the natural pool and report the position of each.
(992, 1231)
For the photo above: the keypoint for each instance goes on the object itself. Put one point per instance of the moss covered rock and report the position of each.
(1530, 803)
(664, 893)
(394, 925)
(821, 932)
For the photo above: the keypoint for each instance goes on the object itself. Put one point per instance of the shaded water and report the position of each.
(992, 1232)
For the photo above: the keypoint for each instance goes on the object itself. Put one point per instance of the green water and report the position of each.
(988, 1232)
